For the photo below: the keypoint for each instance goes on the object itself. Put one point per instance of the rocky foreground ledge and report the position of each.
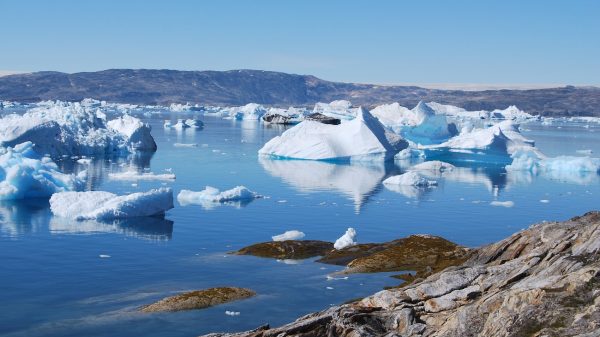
(542, 281)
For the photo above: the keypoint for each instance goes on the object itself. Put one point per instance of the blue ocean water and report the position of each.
(56, 284)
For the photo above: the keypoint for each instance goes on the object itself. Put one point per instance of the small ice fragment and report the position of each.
(506, 204)
(232, 313)
(185, 145)
(104, 256)
(544, 201)
(329, 288)
(289, 235)
(281, 201)
(346, 240)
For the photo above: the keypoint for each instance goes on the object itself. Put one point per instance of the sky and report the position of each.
(385, 42)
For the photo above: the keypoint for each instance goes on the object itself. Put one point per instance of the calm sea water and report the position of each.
(54, 282)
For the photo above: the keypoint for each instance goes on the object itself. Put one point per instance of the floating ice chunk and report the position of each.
(167, 124)
(251, 111)
(134, 175)
(363, 138)
(453, 111)
(283, 116)
(178, 107)
(408, 153)
(289, 235)
(410, 179)
(433, 165)
(511, 113)
(538, 164)
(62, 128)
(544, 201)
(180, 125)
(185, 144)
(211, 194)
(102, 205)
(506, 204)
(23, 174)
(346, 240)
(104, 256)
(194, 123)
(232, 313)
(493, 144)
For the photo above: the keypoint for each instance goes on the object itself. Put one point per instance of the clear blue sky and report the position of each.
(356, 41)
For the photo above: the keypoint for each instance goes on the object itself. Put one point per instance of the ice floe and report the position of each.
(346, 240)
(134, 176)
(25, 174)
(507, 204)
(214, 195)
(101, 205)
(433, 165)
(289, 235)
(363, 138)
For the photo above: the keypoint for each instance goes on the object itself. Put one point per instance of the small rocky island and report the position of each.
(542, 281)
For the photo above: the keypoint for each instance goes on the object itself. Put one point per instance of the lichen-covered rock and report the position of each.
(288, 249)
(543, 281)
(199, 299)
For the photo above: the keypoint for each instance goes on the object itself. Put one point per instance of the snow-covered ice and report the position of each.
(289, 235)
(363, 138)
(185, 144)
(250, 111)
(101, 205)
(346, 240)
(337, 109)
(24, 174)
(506, 204)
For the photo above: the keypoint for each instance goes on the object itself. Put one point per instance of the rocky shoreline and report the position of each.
(542, 281)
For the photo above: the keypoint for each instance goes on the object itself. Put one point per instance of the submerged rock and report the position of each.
(542, 281)
(288, 249)
(199, 299)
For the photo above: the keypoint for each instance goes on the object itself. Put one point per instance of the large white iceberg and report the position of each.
(63, 128)
(100, 205)
(23, 174)
(214, 195)
(363, 138)
(579, 170)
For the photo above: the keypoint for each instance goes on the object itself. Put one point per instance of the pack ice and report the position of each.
(100, 205)
(24, 174)
(363, 138)
(64, 128)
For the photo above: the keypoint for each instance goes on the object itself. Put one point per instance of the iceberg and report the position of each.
(493, 145)
(23, 174)
(63, 128)
(410, 178)
(214, 195)
(100, 205)
(346, 240)
(251, 111)
(579, 170)
(282, 116)
(363, 138)
(289, 235)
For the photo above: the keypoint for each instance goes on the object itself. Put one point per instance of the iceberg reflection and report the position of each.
(22, 217)
(146, 228)
(356, 181)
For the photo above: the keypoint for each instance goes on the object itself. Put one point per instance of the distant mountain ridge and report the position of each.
(238, 87)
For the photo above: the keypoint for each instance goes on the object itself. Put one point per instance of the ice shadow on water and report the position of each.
(29, 216)
(24, 217)
(355, 181)
(155, 228)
